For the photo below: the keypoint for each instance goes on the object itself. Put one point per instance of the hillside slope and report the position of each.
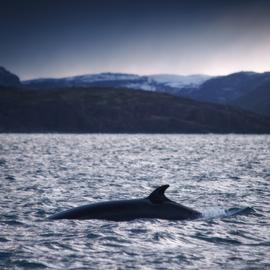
(107, 110)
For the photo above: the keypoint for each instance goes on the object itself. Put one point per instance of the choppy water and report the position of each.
(43, 174)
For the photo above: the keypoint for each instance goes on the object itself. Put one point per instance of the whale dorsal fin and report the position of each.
(158, 196)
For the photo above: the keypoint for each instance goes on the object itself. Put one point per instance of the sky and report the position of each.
(57, 38)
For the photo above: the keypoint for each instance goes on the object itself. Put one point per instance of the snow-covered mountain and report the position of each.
(161, 83)
(89, 78)
(117, 80)
(180, 81)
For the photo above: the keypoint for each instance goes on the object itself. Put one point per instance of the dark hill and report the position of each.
(227, 89)
(83, 110)
(8, 79)
(257, 100)
(248, 90)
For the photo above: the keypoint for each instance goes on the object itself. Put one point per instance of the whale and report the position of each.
(155, 206)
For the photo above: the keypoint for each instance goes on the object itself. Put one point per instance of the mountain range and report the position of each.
(195, 103)
(246, 90)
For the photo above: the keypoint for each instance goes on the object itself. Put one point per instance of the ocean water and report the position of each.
(44, 174)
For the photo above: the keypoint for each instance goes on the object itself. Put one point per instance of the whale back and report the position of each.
(156, 205)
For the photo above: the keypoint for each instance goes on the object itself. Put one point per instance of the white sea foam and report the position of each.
(213, 212)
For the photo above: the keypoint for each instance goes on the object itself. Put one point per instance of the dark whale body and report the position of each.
(157, 205)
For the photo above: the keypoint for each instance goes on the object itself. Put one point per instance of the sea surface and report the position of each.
(43, 174)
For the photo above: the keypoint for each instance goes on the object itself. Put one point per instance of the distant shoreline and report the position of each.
(129, 133)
